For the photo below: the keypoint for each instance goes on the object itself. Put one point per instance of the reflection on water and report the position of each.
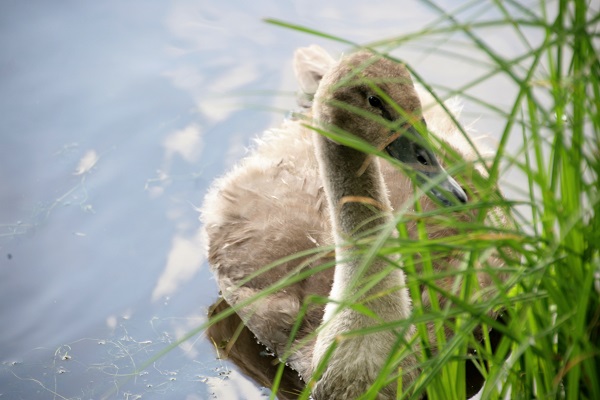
(183, 261)
(115, 118)
(233, 341)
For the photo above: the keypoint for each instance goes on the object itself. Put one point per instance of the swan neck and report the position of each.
(354, 187)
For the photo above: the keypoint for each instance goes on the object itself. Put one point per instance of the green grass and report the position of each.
(549, 292)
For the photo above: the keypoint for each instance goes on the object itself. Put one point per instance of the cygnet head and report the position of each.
(374, 99)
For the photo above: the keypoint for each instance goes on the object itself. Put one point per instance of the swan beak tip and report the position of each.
(451, 193)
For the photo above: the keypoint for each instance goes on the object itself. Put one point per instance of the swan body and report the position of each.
(298, 190)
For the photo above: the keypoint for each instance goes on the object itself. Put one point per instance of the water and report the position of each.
(114, 119)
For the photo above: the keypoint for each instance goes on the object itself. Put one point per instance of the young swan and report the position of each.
(297, 192)
(353, 184)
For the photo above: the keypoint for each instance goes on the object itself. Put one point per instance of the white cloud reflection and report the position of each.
(187, 77)
(87, 162)
(193, 23)
(236, 386)
(184, 260)
(186, 142)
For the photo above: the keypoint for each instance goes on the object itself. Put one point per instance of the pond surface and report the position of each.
(114, 119)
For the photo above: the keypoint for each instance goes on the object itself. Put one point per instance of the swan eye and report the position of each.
(375, 101)
(422, 157)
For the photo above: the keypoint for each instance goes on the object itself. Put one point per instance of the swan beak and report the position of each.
(448, 191)
(410, 150)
